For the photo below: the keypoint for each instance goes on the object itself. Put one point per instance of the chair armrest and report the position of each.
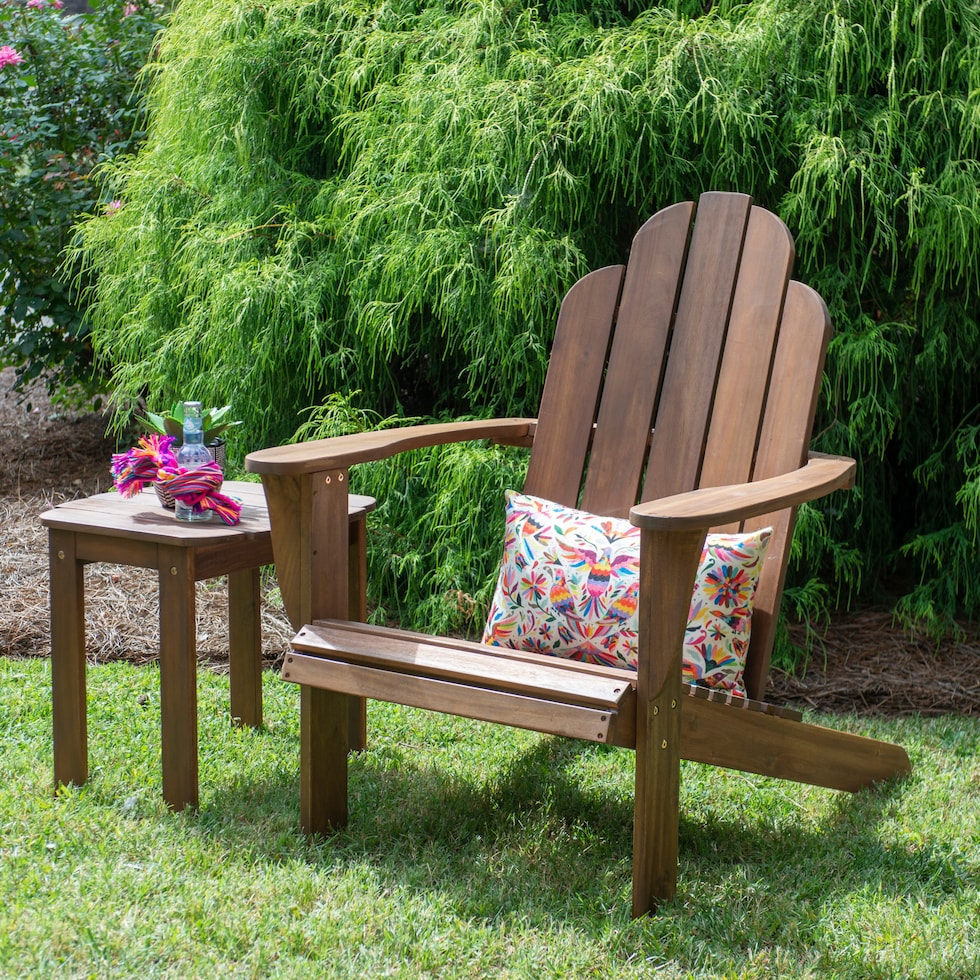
(343, 451)
(713, 506)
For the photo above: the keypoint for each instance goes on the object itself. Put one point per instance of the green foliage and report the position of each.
(391, 198)
(437, 534)
(437, 531)
(66, 105)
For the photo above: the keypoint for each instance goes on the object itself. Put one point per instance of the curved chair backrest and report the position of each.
(697, 364)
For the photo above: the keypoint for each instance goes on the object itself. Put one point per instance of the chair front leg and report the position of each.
(311, 542)
(668, 566)
(324, 739)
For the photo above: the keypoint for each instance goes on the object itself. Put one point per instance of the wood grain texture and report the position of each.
(325, 727)
(290, 501)
(406, 656)
(245, 647)
(319, 541)
(747, 359)
(668, 565)
(703, 309)
(713, 506)
(791, 406)
(357, 610)
(69, 712)
(535, 708)
(142, 516)
(178, 678)
(786, 749)
(571, 390)
(636, 361)
(324, 733)
(139, 532)
(345, 451)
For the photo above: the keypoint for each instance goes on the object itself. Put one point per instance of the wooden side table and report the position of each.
(141, 533)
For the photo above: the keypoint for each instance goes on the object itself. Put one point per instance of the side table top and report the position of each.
(143, 517)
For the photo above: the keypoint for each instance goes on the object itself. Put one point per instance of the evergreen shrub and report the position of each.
(375, 207)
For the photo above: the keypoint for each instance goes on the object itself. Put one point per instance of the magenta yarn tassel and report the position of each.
(142, 465)
(153, 461)
(198, 488)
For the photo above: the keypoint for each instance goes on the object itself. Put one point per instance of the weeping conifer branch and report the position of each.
(333, 193)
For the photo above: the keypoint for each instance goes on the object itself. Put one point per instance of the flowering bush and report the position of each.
(69, 99)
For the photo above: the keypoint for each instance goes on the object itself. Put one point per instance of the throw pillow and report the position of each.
(569, 581)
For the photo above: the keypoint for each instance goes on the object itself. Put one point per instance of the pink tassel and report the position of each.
(134, 469)
(198, 489)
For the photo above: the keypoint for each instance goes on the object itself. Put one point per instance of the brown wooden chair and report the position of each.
(687, 381)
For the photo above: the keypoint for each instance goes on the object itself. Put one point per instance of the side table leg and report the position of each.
(178, 677)
(245, 647)
(70, 722)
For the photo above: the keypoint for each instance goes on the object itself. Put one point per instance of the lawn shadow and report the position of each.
(533, 837)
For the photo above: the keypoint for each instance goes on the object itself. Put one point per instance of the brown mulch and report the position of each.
(862, 663)
(47, 449)
(865, 663)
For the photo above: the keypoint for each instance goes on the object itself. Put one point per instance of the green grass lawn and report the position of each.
(473, 851)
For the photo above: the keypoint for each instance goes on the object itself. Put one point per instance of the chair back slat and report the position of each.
(636, 360)
(743, 381)
(791, 403)
(703, 309)
(787, 424)
(699, 366)
(572, 387)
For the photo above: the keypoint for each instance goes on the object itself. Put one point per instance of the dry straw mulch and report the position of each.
(864, 663)
(50, 455)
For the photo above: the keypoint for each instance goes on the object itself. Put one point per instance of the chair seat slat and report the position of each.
(546, 678)
(521, 710)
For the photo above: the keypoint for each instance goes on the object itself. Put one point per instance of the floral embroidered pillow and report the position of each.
(568, 586)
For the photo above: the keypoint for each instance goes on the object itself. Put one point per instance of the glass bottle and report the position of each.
(191, 455)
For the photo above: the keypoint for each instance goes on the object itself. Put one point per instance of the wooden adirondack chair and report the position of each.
(688, 381)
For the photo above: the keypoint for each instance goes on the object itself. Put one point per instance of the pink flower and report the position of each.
(9, 56)
(35, 4)
(112, 207)
(130, 9)
(57, 4)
